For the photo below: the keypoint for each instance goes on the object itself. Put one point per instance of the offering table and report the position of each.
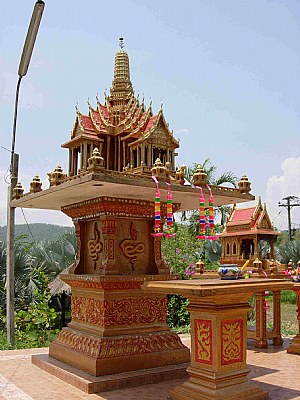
(218, 310)
(294, 348)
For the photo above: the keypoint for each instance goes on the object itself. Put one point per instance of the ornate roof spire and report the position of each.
(121, 86)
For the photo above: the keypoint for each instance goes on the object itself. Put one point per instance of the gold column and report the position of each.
(119, 153)
(107, 153)
(124, 155)
(138, 161)
(115, 153)
(84, 159)
(149, 164)
(143, 153)
(131, 157)
(81, 157)
(70, 161)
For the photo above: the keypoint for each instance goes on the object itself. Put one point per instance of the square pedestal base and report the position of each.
(92, 384)
(194, 391)
(294, 348)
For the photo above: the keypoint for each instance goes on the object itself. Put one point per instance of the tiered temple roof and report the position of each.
(251, 220)
(127, 133)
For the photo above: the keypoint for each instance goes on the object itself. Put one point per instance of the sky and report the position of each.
(226, 72)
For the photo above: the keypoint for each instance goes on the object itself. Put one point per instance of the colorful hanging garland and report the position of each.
(201, 216)
(157, 217)
(211, 216)
(170, 230)
(207, 230)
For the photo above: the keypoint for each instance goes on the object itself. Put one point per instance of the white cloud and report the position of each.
(30, 98)
(278, 187)
(185, 131)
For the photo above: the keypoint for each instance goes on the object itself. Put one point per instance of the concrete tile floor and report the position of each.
(273, 369)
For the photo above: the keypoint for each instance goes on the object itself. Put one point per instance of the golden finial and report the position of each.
(121, 42)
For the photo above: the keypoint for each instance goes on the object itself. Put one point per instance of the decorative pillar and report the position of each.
(108, 153)
(131, 156)
(119, 153)
(255, 243)
(149, 164)
(272, 249)
(277, 340)
(81, 157)
(75, 158)
(124, 155)
(294, 348)
(138, 161)
(143, 153)
(84, 159)
(115, 153)
(70, 162)
(261, 321)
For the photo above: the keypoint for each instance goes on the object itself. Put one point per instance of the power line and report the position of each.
(290, 202)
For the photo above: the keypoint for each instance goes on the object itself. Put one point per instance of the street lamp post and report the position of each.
(10, 262)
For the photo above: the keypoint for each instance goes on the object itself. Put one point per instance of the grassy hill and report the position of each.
(39, 231)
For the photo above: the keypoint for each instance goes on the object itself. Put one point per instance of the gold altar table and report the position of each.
(218, 310)
(294, 348)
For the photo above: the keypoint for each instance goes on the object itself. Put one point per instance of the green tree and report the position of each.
(287, 251)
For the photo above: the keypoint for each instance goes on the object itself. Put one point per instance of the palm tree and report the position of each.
(288, 251)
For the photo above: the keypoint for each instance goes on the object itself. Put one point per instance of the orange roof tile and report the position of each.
(150, 123)
(87, 122)
(104, 111)
(96, 116)
(243, 214)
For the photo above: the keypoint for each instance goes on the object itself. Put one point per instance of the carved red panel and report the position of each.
(111, 249)
(203, 341)
(231, 341)
(157, 246)
(119, 312)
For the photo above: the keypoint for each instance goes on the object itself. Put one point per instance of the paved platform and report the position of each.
(273, 369)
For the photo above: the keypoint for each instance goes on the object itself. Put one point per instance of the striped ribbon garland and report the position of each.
(211, 216)
(207, 231)
(201, 216)
(157, 216)
(169, 232)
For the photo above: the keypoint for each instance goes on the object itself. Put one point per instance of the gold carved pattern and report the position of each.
(157, 249)
(119, 312)
(115, 206)
(78, 240)
(104, 285)
(109, 226)
(131, 248)
(203, 341)
(120, 346)
(111, 249)
(95, 247)
(231, 341)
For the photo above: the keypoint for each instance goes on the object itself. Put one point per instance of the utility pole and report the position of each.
(10, 246)
(290, 202)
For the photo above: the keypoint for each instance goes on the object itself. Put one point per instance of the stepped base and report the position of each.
(92, 384)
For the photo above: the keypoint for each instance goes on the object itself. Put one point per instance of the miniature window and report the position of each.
(234, 248)
(228, 248)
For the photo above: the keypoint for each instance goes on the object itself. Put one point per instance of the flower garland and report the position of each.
(201, 216)
(157, 217)
(207, 230)
(170, 230)
(211, 216)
